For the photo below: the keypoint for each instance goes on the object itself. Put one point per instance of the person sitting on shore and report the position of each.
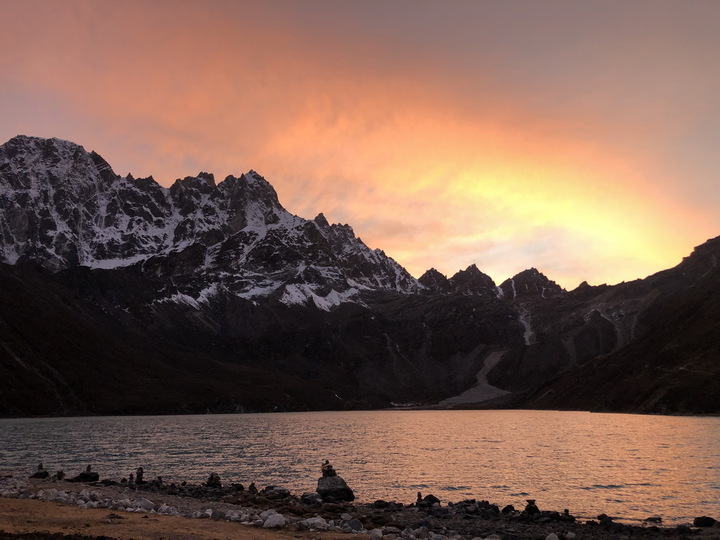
(327, 469)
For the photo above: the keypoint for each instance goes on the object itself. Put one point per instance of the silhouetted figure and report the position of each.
(531, 507)
(252, 489)
(213, 481)
(327, 469)
(139, 475)
(40, 473)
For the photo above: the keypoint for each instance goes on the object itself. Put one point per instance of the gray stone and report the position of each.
(274, 521)
(334, 489)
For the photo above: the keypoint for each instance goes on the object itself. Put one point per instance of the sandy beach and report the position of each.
(34, 516)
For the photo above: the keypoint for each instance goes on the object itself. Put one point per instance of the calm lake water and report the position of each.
(627, 466)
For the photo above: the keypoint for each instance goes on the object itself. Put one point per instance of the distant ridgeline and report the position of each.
(121, 296)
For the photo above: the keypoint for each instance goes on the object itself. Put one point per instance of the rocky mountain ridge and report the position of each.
(64, 207)
(211, 296)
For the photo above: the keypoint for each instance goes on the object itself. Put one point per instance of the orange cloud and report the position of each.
(436, 166)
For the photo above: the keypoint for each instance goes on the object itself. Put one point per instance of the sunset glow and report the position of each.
(577, 138)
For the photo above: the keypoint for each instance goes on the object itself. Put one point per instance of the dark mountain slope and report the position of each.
(672, 366)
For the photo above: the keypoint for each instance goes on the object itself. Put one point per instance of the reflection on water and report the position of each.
(624, 465)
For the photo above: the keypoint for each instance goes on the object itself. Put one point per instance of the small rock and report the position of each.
(552, 536)
(316, 523)
(311, 499)
(274, 521)
(267, 513)
(144, 504)
(376, 534)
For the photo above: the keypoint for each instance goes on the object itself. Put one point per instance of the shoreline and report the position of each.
(426, 407)
(125, 510)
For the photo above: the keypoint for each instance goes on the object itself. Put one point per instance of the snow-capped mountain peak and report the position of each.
(65, 207)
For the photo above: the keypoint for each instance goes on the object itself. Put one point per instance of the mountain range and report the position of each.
(120, 296)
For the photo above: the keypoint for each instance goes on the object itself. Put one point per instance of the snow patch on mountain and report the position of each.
(64, 207)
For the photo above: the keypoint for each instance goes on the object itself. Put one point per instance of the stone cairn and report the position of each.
(40, 473)
(331, 487)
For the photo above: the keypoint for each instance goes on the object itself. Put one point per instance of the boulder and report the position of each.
(40, 473)
(86, 476)
(704, 521)
(334, 489)
(213, 481)
(311, 499)
(274, 521)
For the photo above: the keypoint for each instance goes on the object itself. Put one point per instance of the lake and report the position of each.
(628, 466)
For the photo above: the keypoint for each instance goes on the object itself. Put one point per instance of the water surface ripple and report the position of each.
(628, 466)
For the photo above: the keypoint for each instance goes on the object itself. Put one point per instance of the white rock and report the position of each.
(273, 521)
(267, 513)
(376, 534)
(570, 536)
(552, 536)
(345, 516)
(48, 494)
(316, 522)
(144, 504)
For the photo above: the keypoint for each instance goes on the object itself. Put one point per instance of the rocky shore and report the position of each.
(311, 515)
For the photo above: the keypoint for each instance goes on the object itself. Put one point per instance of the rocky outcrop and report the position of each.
(334, 489)
(528, 284)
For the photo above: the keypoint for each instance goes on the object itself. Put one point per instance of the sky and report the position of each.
(577, 137)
